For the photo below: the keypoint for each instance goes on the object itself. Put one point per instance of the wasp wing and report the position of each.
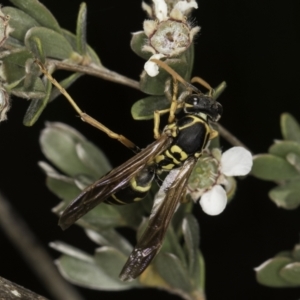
(161, 215)
(111, 182)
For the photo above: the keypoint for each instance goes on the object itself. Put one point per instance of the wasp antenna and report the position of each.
(202, 82)
(175, 75)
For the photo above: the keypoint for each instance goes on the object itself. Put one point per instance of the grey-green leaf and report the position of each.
(268, 273)
(156, 85)
(271, 167)
(138, 40)
(218, 91)
(54, 45)
(39, 12)
(144, 109)
(37, 106)
(291, 273)
(81, 29)
(290, 128)
(38, 90)
(172, 271)
(110, 237)
(13, 66)
(111, 261)
(283, 148)
(86, 274)
(93, 158)
(20, 22)
(296, 252)
(58, 143)
(286, 196)
(190, 229)
(172, 245)
(73, 41)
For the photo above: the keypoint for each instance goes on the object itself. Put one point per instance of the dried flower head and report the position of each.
(169, 33)
(5, 29)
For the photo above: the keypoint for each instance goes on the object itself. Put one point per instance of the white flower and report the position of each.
(236, 161)
(161, 10)
(214, 201)
(151, 67)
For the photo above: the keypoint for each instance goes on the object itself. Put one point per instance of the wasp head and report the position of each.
(200, 103)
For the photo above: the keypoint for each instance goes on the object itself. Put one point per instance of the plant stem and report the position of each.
(97, 71)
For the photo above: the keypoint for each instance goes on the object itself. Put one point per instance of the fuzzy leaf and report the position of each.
(37, 92)
(58, 143)
(110, 237)
(87, 274)
(170, 268)
(172, 245)
(271, 167)
(219, 90)
(268, 273)
(54, 45)
(111, 261)
(290, 127)
(73, 42)
(93, 158)
(137, 42)
(156, 85)
(81, 29)
(144, 109)
(291, 273)
(296, 252)
(286, 196)
(20, 22)
(39, 12)
(37, 106)
(283, 148)
(190, 229)
(13, 66)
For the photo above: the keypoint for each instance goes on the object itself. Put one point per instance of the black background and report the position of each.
(254, 46)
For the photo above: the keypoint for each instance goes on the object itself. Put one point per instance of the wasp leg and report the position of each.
(157, 114)
(175, 75)
(85, 117)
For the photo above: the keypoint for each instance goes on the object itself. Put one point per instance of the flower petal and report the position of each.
(236, 161)
(151, 67)
(161, 10)
(183, 6)
(214, 201)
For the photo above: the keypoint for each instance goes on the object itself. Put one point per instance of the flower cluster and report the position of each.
(169, 33)
(216, 172)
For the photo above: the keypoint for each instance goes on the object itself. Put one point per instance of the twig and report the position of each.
(12, 291)
(97, 71)
(35, 255)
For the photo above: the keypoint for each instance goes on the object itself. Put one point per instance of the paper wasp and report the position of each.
(179, 146)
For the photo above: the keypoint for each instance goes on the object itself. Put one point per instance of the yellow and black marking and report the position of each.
(192, 135)
(138, 188)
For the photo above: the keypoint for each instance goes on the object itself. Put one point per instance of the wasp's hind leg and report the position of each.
(87, 118)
